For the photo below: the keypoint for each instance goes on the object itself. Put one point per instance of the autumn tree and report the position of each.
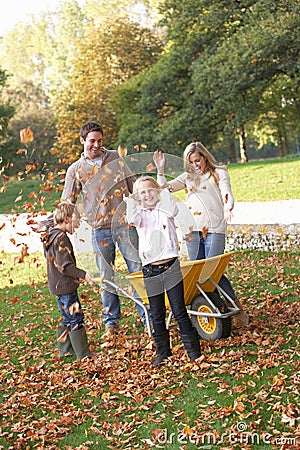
(106, 56)
(6, 113)
(220, 59)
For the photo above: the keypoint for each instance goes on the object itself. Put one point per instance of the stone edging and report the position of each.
(275, 237)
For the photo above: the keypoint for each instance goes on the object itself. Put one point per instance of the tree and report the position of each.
(6, 113)
(209, 84)
(105, 58)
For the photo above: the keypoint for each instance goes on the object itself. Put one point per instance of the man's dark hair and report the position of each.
(90, 126)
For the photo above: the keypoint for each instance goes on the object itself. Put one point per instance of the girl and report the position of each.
(152, 210)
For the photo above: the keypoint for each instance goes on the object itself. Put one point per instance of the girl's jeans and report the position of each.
(213, 245)
(158, 278)
(105, 242)
(75, 321)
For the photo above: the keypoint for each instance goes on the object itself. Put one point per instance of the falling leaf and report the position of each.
(204, 232)
(150, 167)
(122, 151)
(26, 135)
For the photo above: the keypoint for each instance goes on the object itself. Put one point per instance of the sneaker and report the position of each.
(110, 331)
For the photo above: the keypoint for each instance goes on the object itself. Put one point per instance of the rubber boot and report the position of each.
(163, 350)
(64, 347)
(80, 344)
(191, 342)
(241, 319)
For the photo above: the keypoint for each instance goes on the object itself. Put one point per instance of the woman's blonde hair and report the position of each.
(211, 163)
(63, 210)
(138, 182)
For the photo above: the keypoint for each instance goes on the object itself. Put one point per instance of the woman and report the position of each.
(210, 200)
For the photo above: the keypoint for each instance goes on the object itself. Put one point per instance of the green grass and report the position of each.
(28, 196)
(246, 383)
(263, 180)
(266, 180)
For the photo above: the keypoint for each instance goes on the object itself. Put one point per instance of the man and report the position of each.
(102, 178)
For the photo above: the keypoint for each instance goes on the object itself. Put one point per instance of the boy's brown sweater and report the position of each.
(63, 274)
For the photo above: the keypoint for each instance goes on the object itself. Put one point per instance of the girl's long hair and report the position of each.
(211, 163)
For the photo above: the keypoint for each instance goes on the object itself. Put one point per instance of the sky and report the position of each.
(14, 11)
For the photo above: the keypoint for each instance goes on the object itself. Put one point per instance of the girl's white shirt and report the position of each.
(205, 199)
(156, 228)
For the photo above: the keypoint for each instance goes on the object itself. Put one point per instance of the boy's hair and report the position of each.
(63, 210)
(145, 178)
(88, 127)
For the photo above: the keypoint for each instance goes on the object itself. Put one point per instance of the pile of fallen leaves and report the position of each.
(244, 393)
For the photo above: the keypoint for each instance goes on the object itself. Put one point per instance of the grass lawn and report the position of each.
(263, 180)
(244, 395)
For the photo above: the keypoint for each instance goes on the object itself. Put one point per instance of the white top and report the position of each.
(205, 199)
(156, 228)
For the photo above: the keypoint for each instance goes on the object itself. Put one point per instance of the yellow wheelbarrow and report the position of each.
(210, 313)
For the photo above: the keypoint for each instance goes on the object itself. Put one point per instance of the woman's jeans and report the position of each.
(105, 242)
(64, 301)
(213, 245)
(158, 279)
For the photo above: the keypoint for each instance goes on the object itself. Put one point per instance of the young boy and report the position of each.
(63, 281)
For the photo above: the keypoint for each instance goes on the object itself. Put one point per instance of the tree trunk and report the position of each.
(231, 156)
(243, 149)
(280, 144)
(286, 142)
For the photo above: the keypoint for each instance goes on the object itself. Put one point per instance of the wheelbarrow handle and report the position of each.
(136, 300)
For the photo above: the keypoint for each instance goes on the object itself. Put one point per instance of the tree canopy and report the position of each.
(223, 72)
(226, 66)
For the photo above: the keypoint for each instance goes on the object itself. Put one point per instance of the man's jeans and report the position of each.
(158, 278)
(64, 302)
(213, 245)
(105, 242)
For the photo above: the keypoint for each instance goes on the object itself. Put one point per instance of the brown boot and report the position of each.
(241, 319)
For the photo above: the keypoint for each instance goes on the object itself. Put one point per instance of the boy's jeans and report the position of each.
(74, 320)
(105, 242)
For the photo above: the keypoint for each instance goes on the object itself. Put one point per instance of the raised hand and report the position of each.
(160, 161)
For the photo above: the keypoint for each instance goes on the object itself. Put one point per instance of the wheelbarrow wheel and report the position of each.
(210, 328)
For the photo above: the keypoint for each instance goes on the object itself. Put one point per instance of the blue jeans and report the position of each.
(105, 242)
(158, 279)
(64, 302)
(213, 245)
